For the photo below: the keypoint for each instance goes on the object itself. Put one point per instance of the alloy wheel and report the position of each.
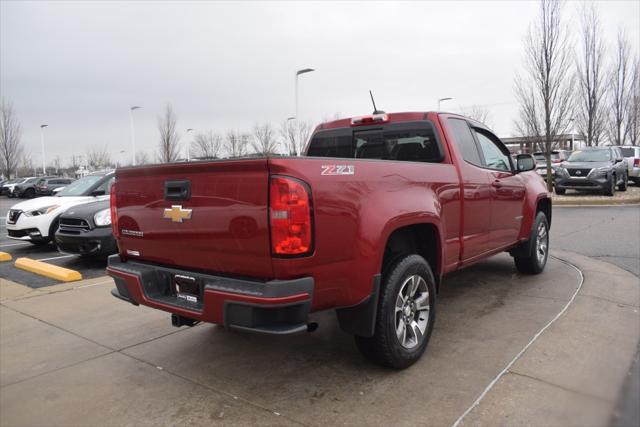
(412, 311)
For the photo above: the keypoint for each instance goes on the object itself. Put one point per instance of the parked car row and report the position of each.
(602, 169)
(76, 219)
(30, 187)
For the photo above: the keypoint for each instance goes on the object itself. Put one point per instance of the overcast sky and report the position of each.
(79, 66)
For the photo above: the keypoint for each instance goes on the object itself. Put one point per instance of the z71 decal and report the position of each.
(338, 170)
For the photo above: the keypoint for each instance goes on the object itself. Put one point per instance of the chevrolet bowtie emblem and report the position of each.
(177, 214)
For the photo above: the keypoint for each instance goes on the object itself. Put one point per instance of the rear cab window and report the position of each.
(628, 151)
(402, 141)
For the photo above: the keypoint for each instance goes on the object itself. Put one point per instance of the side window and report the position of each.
(465, 141)
(106, 186)
(494, 158)
(618, 153)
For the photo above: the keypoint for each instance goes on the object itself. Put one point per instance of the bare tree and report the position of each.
(142, 158)
(264, 140)
(545, 96)
(236, 144)
(590, 110)
(10, 143)
(57, 162)
(477, 112)
(294, 135)
(75, 162)
(25, 164)
(632, 118)
(207, 145)
(619, 83)
(98, 157)
(168, 145)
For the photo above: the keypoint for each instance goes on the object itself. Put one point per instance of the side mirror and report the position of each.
(618, 160)
(96, 193)
(525, 162)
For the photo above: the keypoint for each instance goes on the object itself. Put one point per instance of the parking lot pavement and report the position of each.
(88, 267)
(77, 355)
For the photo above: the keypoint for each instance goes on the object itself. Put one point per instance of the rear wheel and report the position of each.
(406, 312)
(30, 193)
(625, 183)
(536, 260)
(560, 191)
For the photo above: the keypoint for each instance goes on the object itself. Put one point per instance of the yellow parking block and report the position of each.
(48, 270)
(5, 256)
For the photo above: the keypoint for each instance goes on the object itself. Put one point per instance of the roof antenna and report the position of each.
(375, 110)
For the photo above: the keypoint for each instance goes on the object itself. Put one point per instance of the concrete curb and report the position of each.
(573, 373)
(596, 202)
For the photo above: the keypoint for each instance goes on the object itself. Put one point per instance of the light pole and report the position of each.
(571, 130)
(189, 146)
(133, 135)
(44, 168)
(303, 71)
(443, 99)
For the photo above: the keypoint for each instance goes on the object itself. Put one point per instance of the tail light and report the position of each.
(290, 217)
(636, 162)
(114, 211)
(556, 161)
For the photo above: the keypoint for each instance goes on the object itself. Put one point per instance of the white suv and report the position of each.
(36, 220)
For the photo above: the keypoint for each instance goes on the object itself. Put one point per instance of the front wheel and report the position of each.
(535, 261)
(406, 312)
(611, 186)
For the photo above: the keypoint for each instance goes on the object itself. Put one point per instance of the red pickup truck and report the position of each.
(368, 222)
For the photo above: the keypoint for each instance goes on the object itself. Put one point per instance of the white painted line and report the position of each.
(14, 244)
(95, 284)
(55, 257)
(525, 348)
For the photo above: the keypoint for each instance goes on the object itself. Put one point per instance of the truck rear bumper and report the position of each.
(272, 307)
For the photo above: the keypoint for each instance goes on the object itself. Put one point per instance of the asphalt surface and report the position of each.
(611, 234)
(88, 267)
(608, 233)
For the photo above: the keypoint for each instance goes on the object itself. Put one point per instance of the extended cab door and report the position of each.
(476, 188)
(507, 189)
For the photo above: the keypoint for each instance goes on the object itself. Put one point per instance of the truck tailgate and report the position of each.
(221, 226)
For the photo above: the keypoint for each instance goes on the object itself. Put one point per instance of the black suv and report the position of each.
(599, 168)
(45, 186)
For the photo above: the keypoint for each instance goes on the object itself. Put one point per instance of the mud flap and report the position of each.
(360, 319)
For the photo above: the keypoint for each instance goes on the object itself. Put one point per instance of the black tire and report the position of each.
(625, 183)
(532, 263)
(52, 232)
(38, 242)
(560, 191)
(611, 186)
(29, 193)
(385, 347)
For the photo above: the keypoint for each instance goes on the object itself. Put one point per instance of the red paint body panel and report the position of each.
(353, 216)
